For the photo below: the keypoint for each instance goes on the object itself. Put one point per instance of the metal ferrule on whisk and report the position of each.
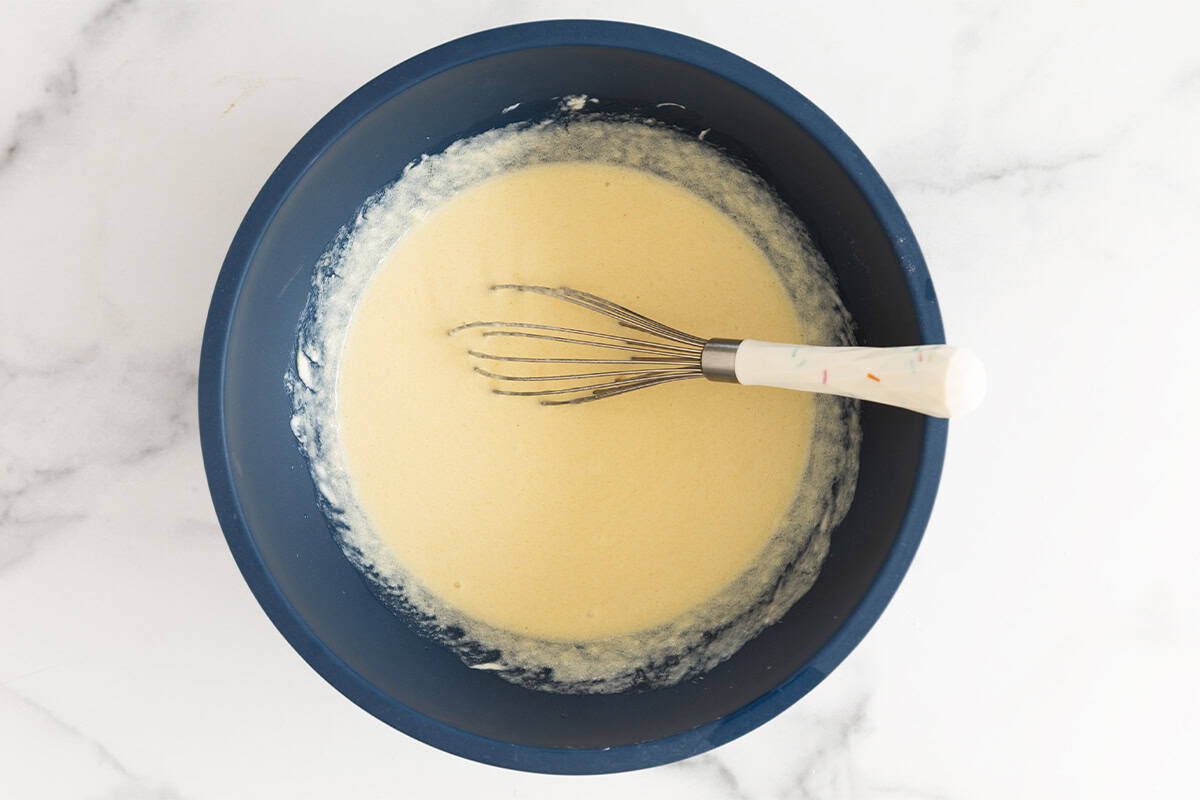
(717, 360)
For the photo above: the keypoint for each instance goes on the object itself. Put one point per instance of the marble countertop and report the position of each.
(1046, 642)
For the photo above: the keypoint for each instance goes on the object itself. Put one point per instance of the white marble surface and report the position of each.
(1047, 640)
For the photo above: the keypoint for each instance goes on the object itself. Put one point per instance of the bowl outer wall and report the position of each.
(221, 472)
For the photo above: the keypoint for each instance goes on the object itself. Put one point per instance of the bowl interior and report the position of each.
(276, 496)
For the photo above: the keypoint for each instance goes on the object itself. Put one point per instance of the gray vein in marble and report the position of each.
(821, 766)
(836, 747)
(177, 371)
(18, 678)
(61, 87)
(1188, 80)
(21, 529)
(20, 536)
(1016, 169)
(968, 40)
(180, 419)
(1026, 83)
(33, 473)
(713, 766)
(1185, 82)
(102, 753)
(47, 368)
(132, 787)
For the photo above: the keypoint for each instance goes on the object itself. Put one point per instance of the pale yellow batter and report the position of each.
(583, 522)
(634, 541)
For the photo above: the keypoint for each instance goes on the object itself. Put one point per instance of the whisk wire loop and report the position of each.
(653, 363)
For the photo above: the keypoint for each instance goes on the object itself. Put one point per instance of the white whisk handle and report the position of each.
(935, 379)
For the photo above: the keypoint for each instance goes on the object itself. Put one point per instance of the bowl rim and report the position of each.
(211, 387)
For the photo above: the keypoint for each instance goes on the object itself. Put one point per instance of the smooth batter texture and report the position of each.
(568, 523)
(577, 548)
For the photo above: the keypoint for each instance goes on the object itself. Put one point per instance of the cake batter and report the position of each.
(588, 540)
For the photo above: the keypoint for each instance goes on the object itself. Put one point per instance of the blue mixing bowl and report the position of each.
(265, 499)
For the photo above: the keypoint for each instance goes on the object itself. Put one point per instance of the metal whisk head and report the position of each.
(671, 356)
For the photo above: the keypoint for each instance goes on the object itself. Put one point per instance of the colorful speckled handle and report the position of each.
(936, 379)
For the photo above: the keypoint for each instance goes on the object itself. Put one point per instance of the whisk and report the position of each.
(938, 380)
